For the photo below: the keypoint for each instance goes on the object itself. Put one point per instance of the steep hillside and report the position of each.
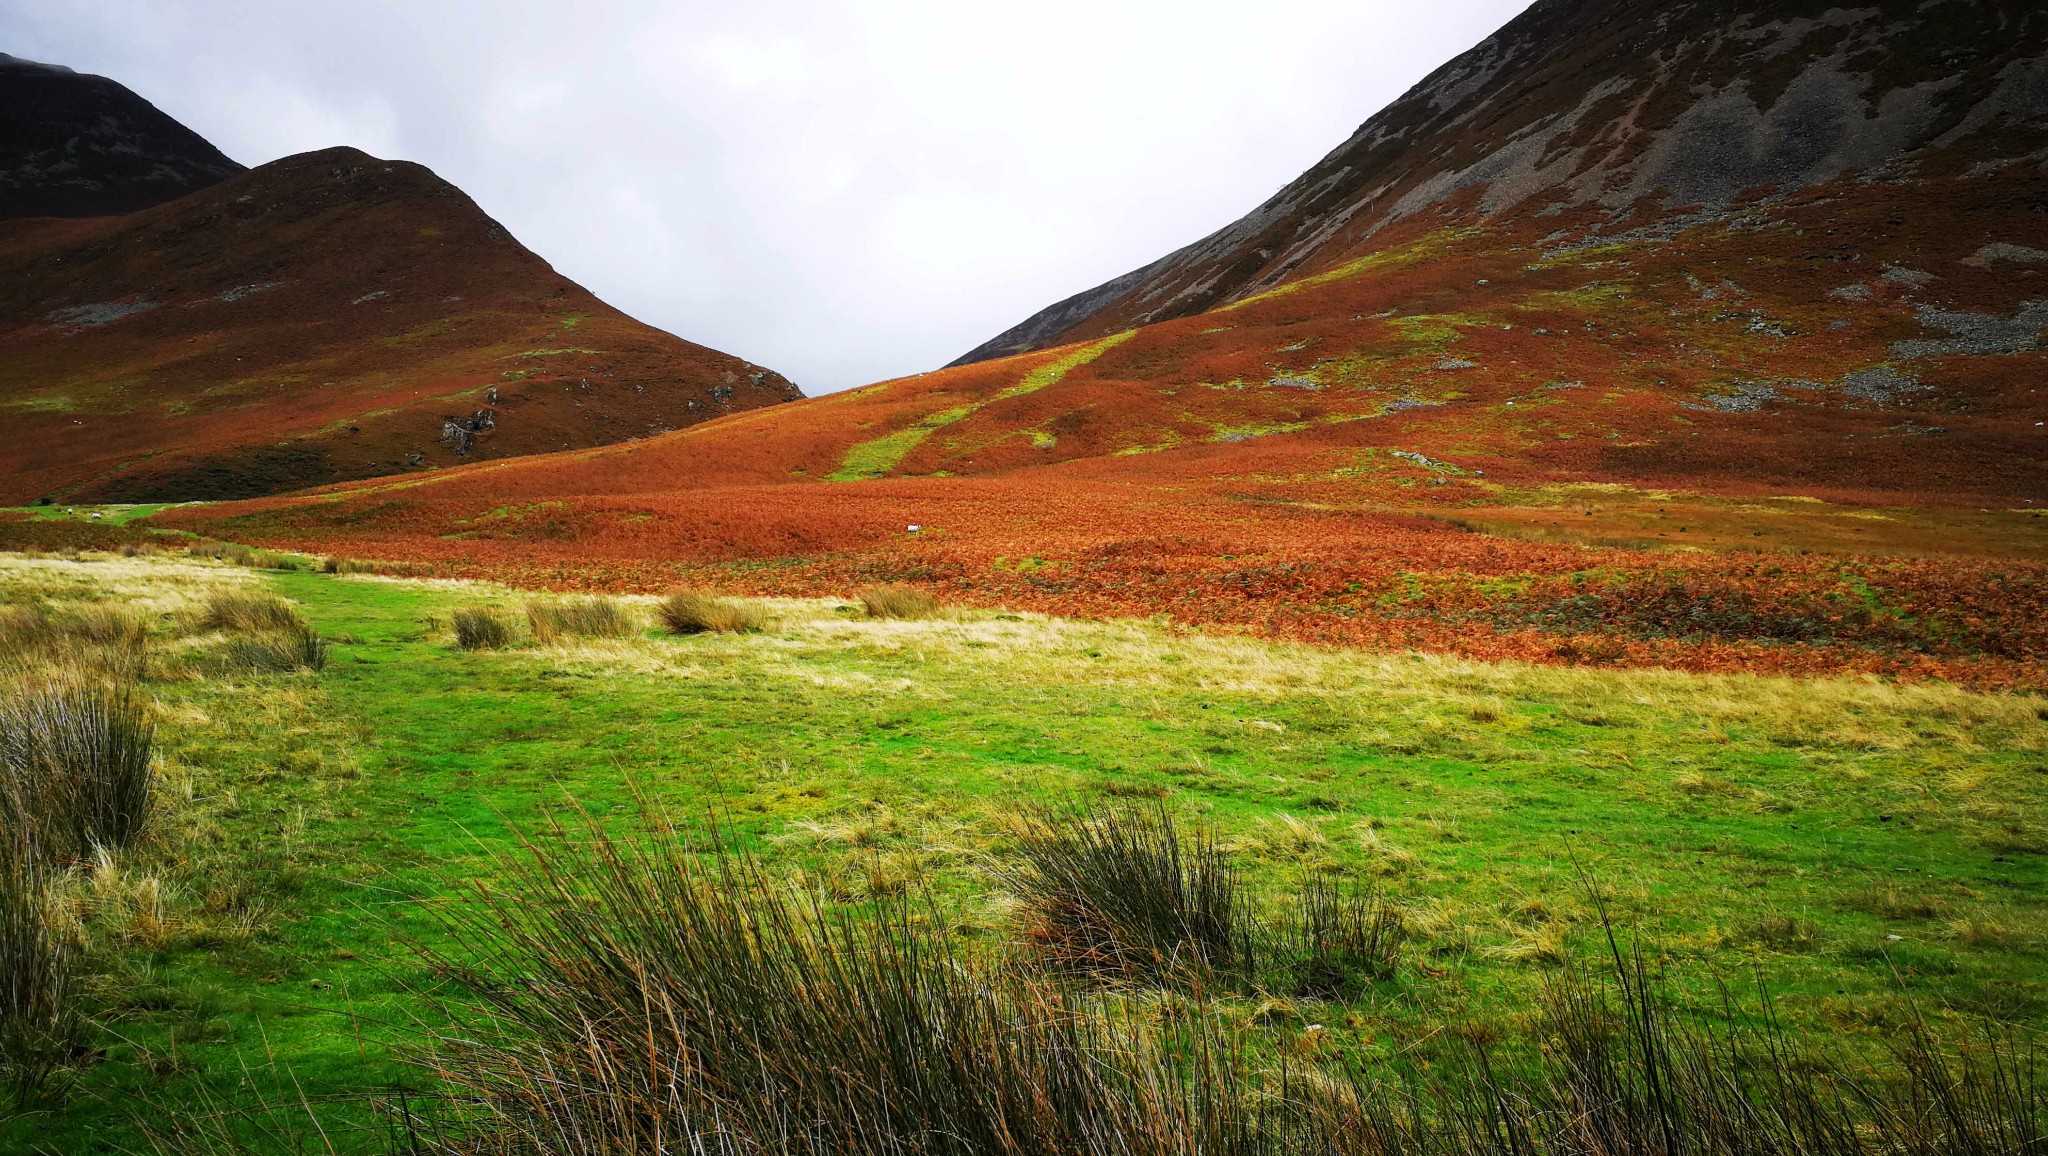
(75, 145)
(325, 317)
(1864, 343)
(1606, 118)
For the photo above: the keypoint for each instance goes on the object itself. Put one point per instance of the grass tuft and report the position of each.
(1336, 942)
(482, 628)
(689, 612)
(26, 628)
(75, 768)
(39, 1023)
(277, 652)
(580, 618)
(244, 612)
(905, 602)
(1121, 893)
(640, 998)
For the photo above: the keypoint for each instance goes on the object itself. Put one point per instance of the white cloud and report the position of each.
(845, 190)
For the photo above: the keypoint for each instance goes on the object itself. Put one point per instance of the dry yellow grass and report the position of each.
(1453, 699)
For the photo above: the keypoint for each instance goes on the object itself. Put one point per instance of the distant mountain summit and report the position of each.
(324, 317)
(76, 145)
(1612, 115)
(174, 327)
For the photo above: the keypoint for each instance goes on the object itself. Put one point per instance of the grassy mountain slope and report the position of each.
(325, 317)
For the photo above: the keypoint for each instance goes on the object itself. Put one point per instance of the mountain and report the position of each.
(1709, 248)
(74, 145)
(324, 317)
(1695, 334)
(1609, 119)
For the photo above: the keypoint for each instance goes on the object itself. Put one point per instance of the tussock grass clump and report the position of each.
(109, 624)
(39, 1023)
(1335, 942)
(232, 553)
(275, 652)
(26, 628)
(689, 612)
(642, 999)
(75, 770)
(336, 564)
(1121, 893)
(895, 601)
(482, 628)
(106, 640)
(250, 612)
(580, 618)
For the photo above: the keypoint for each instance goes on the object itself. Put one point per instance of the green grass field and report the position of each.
(1869, 852)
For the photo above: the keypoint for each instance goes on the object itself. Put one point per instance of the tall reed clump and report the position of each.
(75, 765)
(1990, 1098)
(1336, 941)
(75, 779)
(39, 1023)
(631, 997)
(1122, 893)
(689, 612)
(109, 625)
(580, 618)
(482, 628)
(896, 601)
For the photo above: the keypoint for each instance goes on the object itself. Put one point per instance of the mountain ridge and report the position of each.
(73, 144)
(1512, 120)
(324, 317)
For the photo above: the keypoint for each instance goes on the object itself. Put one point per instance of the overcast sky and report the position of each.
(843, 190)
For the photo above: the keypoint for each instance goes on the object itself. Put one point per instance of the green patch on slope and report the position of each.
(43, 403)
(108, 515)
(1421, 249)
(872, 459)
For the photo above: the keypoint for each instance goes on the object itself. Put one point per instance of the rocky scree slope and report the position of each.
(76, 145)
(1606, 117)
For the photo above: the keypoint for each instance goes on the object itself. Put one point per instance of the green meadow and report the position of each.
(1869, 854)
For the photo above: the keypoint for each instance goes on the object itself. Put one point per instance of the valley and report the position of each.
(1531, 642)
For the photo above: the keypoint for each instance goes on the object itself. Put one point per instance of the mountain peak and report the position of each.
(77, 145)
